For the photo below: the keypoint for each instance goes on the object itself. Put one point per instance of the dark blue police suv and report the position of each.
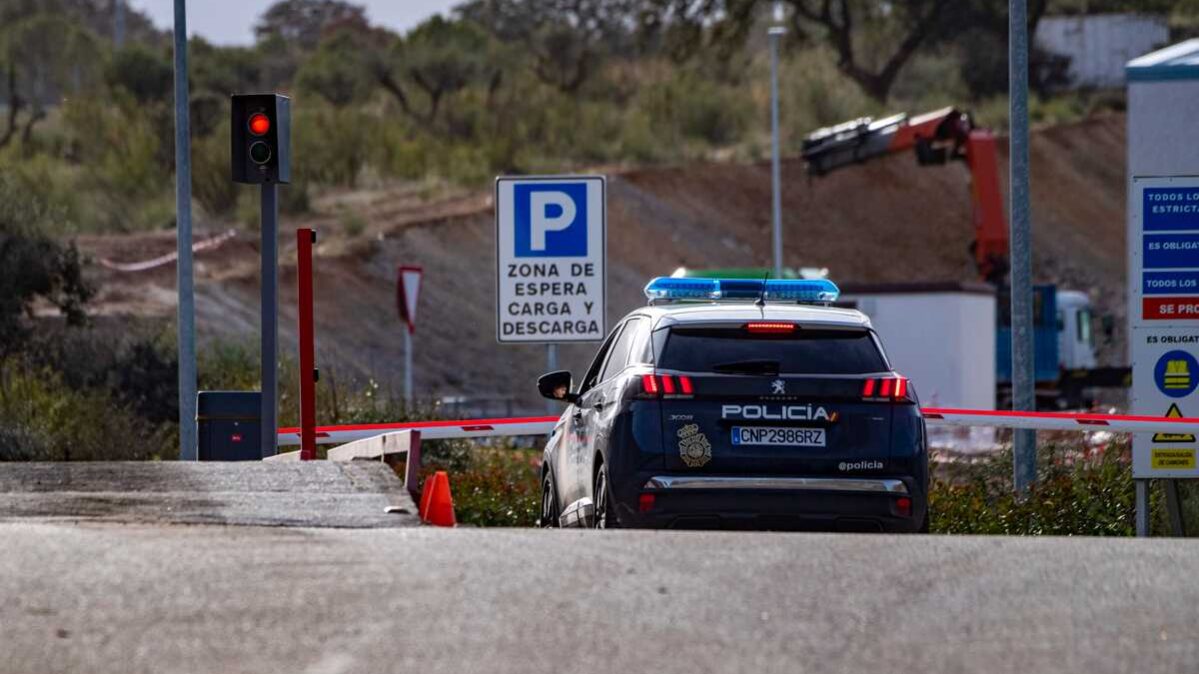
(732, 403)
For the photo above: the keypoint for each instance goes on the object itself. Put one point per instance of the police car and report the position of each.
(733, 403)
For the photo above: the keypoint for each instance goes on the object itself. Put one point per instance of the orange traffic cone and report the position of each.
(441, 503)
(426, 497)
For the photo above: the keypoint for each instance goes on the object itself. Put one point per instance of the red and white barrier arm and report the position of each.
(492, 428)
(429, 430)
(1060, 421)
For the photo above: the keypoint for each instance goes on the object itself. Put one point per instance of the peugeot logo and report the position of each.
(779, 387)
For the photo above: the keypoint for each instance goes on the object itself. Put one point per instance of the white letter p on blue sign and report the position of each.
(543, 222)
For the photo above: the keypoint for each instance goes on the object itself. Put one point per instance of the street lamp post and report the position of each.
(183, 219)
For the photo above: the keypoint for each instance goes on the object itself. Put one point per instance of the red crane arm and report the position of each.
(936, 137)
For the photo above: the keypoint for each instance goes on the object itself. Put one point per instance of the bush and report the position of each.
(492, 487)
(1077, 493)
(212, 187)
(46, 420)
(815, 94)
(332, 145)
(34, 267)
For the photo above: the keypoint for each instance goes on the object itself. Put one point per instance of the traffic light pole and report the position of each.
(270, 316)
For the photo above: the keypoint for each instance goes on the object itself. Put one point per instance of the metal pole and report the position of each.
(183, 234)
(1023, 372)
(118, 23)
(270, 316)
(551, 363)
(1142, 517)
(305, 238)
(775, 171)
(1174, 508)
(408, 368)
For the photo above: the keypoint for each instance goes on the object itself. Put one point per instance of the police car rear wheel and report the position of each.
(549, 503)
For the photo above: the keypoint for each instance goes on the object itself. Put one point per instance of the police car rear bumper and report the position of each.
(847, 484)
(776, 503)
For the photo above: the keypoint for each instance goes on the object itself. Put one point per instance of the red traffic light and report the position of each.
(259, 124)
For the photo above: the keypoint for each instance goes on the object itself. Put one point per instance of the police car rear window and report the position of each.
(807, 351)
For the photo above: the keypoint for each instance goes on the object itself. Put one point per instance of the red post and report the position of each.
(305, 238)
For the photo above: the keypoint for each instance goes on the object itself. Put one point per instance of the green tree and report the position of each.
(342, 69)
(569, 39)
(42, 57)
(435, 61)
(304, 22)
(145, 73)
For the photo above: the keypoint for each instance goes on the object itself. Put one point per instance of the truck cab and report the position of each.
(1075, 333)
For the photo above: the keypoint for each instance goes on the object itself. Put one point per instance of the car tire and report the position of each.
(605, 512)
(549, 503)
(924, 524)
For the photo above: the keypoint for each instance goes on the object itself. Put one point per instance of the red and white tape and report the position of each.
(521, 426)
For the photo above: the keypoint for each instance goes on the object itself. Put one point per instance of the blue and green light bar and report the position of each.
(771, 290)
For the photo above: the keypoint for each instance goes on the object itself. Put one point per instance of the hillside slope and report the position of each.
(885, 221)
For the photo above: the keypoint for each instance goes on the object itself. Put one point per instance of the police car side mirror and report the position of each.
(556, 386)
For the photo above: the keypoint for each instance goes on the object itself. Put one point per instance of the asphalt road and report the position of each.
(101, 598)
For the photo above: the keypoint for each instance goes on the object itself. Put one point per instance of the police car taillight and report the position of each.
(893, 389)
(649, 385)
(653, 384)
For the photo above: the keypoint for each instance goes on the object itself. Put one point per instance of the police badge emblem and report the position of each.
(694, 447)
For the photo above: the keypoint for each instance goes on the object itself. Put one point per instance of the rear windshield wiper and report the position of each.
(770, 367)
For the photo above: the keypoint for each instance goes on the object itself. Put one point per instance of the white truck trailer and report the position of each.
(940, 335)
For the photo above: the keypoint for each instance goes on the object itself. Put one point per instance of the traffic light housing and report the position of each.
(261, 133)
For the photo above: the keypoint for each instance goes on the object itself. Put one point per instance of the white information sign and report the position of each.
(1163, 315)
(551, 238)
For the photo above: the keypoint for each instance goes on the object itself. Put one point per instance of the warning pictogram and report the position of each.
(1176, 374)
(1173, 413)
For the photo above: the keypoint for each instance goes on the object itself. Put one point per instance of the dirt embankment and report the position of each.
(885, 221)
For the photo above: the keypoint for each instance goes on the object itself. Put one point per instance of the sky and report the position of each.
(228, 22)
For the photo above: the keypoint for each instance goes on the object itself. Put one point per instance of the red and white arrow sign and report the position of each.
(408, 293)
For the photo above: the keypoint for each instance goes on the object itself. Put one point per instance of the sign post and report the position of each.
(1163, 316)
(407, 295)
(305, 240)
(551, 241)
(1024, 379)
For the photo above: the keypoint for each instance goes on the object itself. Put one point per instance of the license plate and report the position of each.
(785, 437)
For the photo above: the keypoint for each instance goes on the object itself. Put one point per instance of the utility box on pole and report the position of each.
(229, 425)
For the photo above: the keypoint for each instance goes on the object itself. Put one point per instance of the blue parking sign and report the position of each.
(551, 236)
(551, 220)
